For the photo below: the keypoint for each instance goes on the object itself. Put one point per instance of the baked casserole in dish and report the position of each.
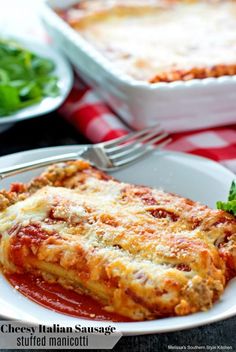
(138, 251)
(160, 40)
(171, 62)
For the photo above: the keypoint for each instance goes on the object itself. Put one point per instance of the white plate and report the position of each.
(194, 177)
(65, 80)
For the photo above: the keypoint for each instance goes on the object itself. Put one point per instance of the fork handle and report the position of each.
(17, 169)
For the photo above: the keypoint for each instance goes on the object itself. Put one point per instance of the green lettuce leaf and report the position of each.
(230, 205)
(25, 78)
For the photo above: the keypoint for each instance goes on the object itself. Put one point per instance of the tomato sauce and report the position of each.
(59, 299)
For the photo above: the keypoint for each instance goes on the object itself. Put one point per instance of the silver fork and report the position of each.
(106, 156)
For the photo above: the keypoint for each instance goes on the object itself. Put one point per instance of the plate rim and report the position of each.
(81, 146)
(139, 328)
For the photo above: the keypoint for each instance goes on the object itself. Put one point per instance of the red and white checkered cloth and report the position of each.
(93, 118)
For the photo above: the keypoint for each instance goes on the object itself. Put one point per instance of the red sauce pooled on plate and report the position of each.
(60, 299)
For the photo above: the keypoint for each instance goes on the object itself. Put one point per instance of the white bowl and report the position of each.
(65, 80)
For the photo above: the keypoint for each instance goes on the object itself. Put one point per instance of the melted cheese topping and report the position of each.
(143, 253)
(163, 37)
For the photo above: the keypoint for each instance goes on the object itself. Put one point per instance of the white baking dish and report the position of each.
(178, 106)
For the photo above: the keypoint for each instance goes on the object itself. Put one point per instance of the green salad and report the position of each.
(230, 205)
(25, 78)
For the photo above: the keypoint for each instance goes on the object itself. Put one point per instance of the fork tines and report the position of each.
(134, 145)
